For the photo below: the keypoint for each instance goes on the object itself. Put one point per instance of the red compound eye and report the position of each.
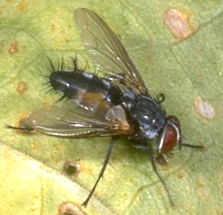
(170, 136)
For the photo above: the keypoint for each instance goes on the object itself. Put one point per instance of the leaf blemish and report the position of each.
(70, 208)
(13, 48)
(178, 23)
(22, 6)
(72, 168)
(204, 109)
(22, 87)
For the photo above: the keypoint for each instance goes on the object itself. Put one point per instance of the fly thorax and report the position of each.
(149, 116)
(128, 101)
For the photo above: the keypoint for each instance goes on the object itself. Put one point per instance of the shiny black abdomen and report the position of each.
(71, 83)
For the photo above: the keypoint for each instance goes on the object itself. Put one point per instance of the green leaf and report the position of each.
(187, 69)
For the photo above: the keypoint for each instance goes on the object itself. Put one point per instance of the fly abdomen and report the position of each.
(71, 82)
(87, 90)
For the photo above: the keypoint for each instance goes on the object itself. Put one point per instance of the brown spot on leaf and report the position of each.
(47, 105)
(72, 167)
(178, 23)
(34, 146)
(180, 175)
(204, 109)
(22, 6)
(13, 48)
(203, 192)
(22, 87)
(70, 208)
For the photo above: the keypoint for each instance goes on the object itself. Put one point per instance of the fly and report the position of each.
(114, 102)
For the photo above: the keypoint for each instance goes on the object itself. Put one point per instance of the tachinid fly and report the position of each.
(115, 102)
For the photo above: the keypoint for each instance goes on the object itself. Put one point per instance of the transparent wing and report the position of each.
(67, 119)
(106, 51)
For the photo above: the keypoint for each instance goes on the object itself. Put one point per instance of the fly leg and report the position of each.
(191, 146)
(148, 148)
(102, 170)
(151, 157)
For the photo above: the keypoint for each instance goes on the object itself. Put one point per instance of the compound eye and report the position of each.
(170, 136)
(169, 139)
